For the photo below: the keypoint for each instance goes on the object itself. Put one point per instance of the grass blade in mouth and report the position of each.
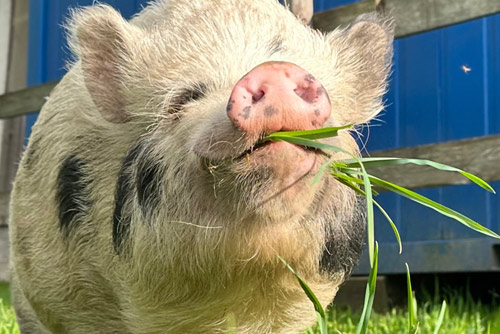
(308, 134)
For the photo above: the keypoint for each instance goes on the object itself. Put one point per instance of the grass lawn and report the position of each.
(463, 316)
(8, 323)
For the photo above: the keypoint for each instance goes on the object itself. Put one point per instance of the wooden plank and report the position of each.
(4, 208)
(341, 16)
(479, 156)
(25, 101)
(352, 292)
(411, 16)
(4, 253)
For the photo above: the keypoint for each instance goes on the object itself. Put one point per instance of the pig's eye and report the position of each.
(186, 96)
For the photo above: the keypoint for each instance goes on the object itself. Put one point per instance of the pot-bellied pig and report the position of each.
(145, 202)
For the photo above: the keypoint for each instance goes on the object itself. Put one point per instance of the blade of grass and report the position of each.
(369, 213)
(308, 143)
(308, 134)
(320, 172)
(411, 195)
(320, 312)
(434, 205)
(369, 295)
(354, 181)
(366, 182)
(440, 318)
(411, 310)
(350, 182)
(383, 162)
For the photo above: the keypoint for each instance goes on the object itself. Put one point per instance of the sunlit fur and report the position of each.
(206, 259)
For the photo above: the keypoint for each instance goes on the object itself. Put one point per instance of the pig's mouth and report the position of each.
(263, 145)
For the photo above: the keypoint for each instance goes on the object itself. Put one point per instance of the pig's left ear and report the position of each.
(364, 62)
(104, 43)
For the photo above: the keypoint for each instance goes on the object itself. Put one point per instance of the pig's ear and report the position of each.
(364, 62)
(103, 40)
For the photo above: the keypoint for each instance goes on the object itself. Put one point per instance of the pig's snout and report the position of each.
(278, 96)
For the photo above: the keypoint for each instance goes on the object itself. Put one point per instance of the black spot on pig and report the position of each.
(270, 111)
(343, 247)
(72, 193)
(123, 197)
(148, 184)
(139, 175)
(246, 112)
(276, 45)
(317, 112)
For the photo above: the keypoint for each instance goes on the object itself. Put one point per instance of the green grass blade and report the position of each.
(393, 226)
(369, 213)
(383, 162)
(440, 318)
(309, 143)
(320, 312)
(434, 205)
(320, 172)
(366, 182)
(369, 295)
(308, 134)
(411, 310)
(351, 183)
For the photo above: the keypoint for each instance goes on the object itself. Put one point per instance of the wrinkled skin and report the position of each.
(139, 206)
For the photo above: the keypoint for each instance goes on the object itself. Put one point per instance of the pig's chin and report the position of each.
(288, 163)
(280, 176)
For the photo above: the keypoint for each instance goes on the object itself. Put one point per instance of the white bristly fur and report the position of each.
(207, 257)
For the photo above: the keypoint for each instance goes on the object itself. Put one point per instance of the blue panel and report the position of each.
(445, 86)
(465, 113)
(320, 5)
(492, 37)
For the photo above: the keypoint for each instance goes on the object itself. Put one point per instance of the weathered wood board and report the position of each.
(411, 16)
(24, 101)
(479, 156)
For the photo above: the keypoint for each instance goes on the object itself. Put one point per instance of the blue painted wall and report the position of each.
(431, 99)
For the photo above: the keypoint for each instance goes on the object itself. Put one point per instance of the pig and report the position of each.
(145, 201)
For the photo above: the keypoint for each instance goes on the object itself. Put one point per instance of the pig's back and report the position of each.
(55, 228)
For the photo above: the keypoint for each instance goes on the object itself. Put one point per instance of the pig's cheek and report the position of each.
(217, 139)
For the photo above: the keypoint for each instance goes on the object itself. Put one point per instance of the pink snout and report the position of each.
(278, 96)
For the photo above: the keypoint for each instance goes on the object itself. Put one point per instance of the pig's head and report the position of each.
(186, 90)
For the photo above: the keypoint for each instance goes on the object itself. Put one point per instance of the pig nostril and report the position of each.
(305, 93)
(256, 97)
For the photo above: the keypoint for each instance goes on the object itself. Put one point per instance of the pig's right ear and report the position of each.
(103, 41)
(364, 61)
